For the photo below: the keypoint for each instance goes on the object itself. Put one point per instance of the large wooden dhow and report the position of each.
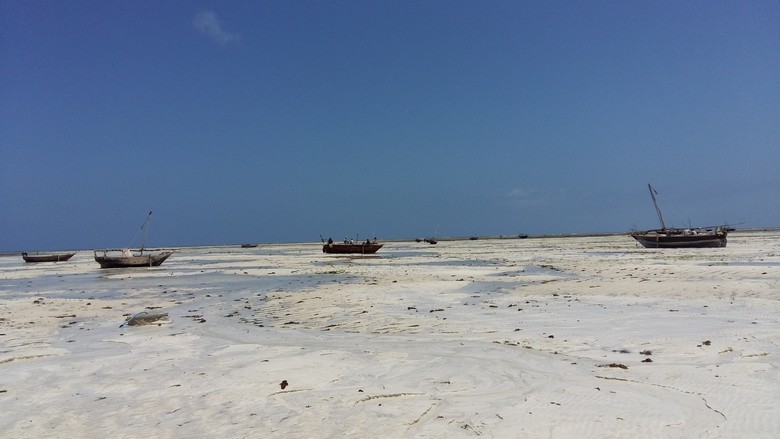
(670, 237)
(700, 237)
(125, 258)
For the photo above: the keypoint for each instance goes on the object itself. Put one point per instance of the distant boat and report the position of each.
(522, 236)
(248, 245)
(669, 237)
(432, 240)
(124, 258)
(350, 247)
(52, 257)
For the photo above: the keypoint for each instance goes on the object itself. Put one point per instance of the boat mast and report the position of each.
(655, 203)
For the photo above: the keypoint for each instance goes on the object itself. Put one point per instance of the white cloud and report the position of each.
(208, 23)
(526, 197)
(517, 192)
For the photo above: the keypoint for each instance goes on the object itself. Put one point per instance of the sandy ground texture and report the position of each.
(561, 337)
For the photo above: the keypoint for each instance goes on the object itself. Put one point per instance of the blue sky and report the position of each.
(278, 121)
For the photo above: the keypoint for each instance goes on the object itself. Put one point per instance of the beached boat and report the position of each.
(347, 247)
(700, 237)
(124, 258)
(670, 237)
(248, 245)
(51, 257)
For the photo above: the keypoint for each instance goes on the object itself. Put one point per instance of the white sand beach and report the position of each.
(590, 337)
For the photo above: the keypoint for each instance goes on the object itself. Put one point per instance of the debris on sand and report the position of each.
(618, 365)
(144, 318)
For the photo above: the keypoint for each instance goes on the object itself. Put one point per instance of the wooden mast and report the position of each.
(655, 203)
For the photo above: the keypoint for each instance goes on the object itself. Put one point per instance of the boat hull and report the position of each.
(150, 260)
(47, 258)
(365, 249)
(660, 240)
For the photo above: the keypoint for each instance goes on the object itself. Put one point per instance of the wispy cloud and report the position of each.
(521, 193)
(527, 197)
(208, 23)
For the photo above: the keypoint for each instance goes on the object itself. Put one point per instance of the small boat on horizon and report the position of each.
(248, 245)
(351, 247)
(670, 237)
(51, 257)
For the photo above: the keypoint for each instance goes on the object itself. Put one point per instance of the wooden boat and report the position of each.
(430, 240)
(53, 257)
(669, 237)
(347, 247)
(248, 245)
(701, 237)
(124, 258)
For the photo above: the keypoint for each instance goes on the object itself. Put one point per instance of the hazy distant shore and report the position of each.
(444, 238)
(591, 336)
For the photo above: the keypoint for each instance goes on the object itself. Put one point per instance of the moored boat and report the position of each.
(124, 258)
(350, 247)
(51, 257)
(682, 238)
(669, 237)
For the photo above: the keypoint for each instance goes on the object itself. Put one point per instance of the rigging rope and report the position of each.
(146, 232)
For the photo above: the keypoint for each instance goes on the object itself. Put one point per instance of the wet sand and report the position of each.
(554, 337)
